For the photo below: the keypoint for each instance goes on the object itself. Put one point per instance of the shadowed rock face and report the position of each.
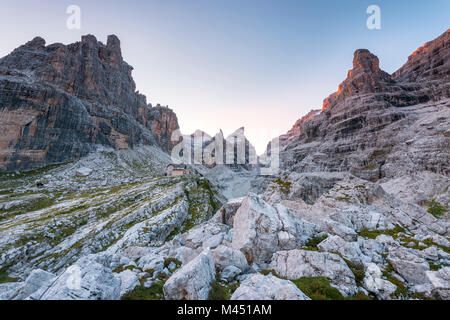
(60, 102)
(379, 125)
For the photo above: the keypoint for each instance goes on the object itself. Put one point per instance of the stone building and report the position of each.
(176, 170)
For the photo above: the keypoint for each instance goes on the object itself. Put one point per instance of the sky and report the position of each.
(257, 64)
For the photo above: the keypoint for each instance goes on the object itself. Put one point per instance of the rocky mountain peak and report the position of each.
(365, 77)
(89, 38)
(113, 43)
(364, 60)
(37, 43)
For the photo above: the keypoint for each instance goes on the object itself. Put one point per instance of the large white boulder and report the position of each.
(409, 265)
(440, 281)
(376, 285)
(85, 280)
(295, 264)
(372, 249)
(225, 257)
(226, 214)
(261, 229)
(349, 250)
(230, 273)
(208, 234)
(83, 171)
(260, 287)
(152, 261)
(192, 281)
(34, 285)
(129, 281)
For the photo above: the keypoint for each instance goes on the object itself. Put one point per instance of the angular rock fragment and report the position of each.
(260, 287)
(192, 281)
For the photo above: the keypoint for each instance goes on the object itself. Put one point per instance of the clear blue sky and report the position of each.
(226, 64)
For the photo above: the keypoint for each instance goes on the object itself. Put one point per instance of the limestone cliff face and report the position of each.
(61, 102)
(162, 122)
(296, 129)
(379, 125)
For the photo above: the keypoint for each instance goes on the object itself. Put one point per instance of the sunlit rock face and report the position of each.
(60, 102)
(365, 77)
(430, 66)
(379, 125)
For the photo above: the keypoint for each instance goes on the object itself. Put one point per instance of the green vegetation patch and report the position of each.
(420, 296)
(218, 292)
(285, 186)
(5, 278)
(28, 206)
(430, 242)
(402, 290)
(435, 208)
(122, 268)
(344, 198)
(372, 234)
(359, 296)
(313, 242)
(168, 261)
(154, 292)
(370, 167)
(318, 288)
(358, 271)
(434, 267)
(267, 272)
(221, 290)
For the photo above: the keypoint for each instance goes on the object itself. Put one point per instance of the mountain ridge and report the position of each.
(60, 102)
(354, 126)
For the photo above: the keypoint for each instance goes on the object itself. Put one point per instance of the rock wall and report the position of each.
(60, 102)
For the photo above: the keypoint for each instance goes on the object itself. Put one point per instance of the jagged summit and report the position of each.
(365, 77)
(37, 43)
(431, 62)
(364, 60)
(87, 69)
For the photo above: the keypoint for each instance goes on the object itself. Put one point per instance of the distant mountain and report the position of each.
(236, 150)
(61, 102)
